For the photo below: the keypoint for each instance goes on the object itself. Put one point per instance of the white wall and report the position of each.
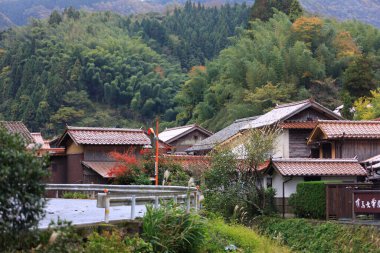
(281, 145)
(291, 186)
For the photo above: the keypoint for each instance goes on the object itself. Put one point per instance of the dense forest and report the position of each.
(194, 64)
(18, 12)
(278, 61)
(103, 69)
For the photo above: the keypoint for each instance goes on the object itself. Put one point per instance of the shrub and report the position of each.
(74, 195)
(170, 229)
(21, 198)
(307, 236)
(309, 201)
(220, 235)
(107, 242)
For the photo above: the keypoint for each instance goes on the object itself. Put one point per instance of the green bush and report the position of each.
(220, 235)
(21, 191)
(170, 229)
(74, 195)
(308, 236)
(309, 201)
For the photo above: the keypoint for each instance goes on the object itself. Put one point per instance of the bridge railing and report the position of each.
(131, 195)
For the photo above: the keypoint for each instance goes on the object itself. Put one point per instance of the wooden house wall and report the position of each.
(188, 140)
(101, 153)
(74, 169)
(310, 114)
(91, 177)
(298, 147)
(362, 149)
(57, 169)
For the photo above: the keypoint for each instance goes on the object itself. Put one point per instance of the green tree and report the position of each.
(263, 9)
(21, 198)
(358, 79)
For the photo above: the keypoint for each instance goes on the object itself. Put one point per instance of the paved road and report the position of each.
(84, 211)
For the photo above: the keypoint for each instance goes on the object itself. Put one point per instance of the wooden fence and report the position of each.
(339, 199)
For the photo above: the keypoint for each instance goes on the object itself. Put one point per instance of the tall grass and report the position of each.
(247, 240)
(170, 229)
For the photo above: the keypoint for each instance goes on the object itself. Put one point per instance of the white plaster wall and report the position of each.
(281, 145)
(291, 186)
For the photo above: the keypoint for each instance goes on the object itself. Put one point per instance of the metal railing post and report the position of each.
(195, 201)
(133, 207)
(175, 199)
(156, 202)
(188, 203)
(107, 209)
(56, 194)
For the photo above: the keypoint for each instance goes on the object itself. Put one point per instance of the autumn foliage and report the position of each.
(307, 28)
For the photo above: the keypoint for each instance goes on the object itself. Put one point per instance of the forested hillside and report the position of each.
(19, 11)
(279, 61)
(102, 69)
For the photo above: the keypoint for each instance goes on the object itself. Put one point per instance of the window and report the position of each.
(314, 153)
(269, 182)
(326, 150)
(195, 137)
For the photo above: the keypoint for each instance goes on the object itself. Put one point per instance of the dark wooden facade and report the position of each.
(298, 147)
(188, 140)
(361, 149)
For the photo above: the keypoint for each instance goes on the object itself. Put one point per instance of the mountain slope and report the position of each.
(19, 11)
(364, 10)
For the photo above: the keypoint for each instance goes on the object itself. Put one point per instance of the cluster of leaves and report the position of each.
(62, 237)
(60, 71)
(278, 61)
(21, 198)
(170, 229)
(221, 235)
(100, 68)
(309, 201)
(130, 168)
(306, 236)
(194, 33)
(235, 182)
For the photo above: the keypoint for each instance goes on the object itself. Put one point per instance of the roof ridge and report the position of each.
(104, 129)
(349, 121)
(294, 103)
(246, 119)
(314, 160)
(179, 127)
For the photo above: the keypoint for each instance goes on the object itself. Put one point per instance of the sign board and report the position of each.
(366, 201)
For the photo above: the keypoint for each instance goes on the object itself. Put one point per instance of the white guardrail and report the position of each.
(125, 195)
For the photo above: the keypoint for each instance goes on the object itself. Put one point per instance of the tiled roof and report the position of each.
(17, 127)
(172, 134)
(189, 162)
(349, 129)
(222, 135)
(39, 140)
(318, 167)
(299, 125)
(106, 136)
(285, 111)
(102, 168)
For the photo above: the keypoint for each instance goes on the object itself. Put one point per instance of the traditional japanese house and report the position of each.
(18, 128)
(182, 138)
(345, 139)
(205, 146)
(86, 157)
(283, 174)
(296, 122)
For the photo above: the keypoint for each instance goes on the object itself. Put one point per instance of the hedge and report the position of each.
(309, 201)
(311, 236)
